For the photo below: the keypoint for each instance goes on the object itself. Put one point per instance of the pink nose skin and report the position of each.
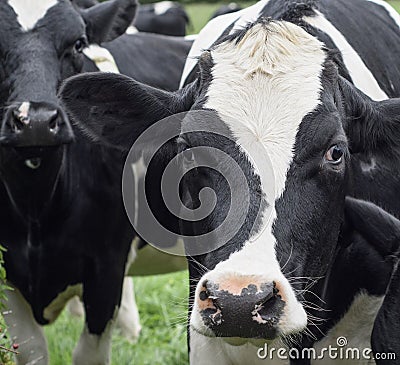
(241, 306)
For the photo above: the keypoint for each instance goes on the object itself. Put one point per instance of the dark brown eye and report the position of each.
(334, 155)
(79, 45)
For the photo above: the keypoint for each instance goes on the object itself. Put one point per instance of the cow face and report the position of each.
(275, 91)
(41, 44)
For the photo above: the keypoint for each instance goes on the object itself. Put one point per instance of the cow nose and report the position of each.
(241, 307)
(30, 124)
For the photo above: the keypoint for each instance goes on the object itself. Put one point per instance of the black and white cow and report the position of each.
(135, 55)
(63, 221)
(165, 17)
(301, 87)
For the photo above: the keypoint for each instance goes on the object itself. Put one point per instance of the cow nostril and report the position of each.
(18, 121)
(268, 309)
(53, 122)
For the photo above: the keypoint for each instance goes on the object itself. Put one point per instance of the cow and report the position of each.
(135, 55)
(165, 17)
(64, 225)
(226, 9)
(297, 95)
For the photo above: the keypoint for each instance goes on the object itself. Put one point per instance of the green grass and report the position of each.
(162, 306)
(200, 13)
(395, 4)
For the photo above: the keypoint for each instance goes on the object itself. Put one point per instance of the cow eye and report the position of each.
(79, 45)
(334, 155)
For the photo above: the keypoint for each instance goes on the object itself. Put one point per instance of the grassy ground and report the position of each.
(395, 4)
(162, 305)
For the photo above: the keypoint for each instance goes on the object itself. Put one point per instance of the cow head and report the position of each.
(276, 92)
(41, 44)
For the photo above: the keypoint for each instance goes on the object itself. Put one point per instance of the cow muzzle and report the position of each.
(35, 124)
(243, 306)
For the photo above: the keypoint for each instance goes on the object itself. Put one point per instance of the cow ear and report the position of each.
(382, 230)
(379, 227)
(370, 124)
(116, 110)
(108, 20)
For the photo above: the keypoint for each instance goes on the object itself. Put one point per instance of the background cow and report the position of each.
(164, 17)
(226, 9)
(308, 92)
(63, 221)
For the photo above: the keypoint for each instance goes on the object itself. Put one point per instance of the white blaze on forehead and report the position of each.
(262, 88)
(362, 77)
(29, 11)
(215, 28)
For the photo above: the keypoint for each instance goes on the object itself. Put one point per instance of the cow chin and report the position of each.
(244, 308)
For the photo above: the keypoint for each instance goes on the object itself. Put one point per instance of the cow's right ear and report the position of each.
(379, 227)
(108, 20)
(370, 125)
(115, 109)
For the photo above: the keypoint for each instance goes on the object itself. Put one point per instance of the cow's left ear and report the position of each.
(115, 110)
(380, 228)
(108, 20)
(369, 124)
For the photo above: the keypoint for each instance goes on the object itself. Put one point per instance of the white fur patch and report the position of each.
(190, 37)
(139, 171)
(29, 12)
(102, 57)
(52, 311)
(368, 167)
(24, 330)
(132, 30)
(356, 326)
(24, 110)
(359, 72)
(93, 349)
(214, 29)
(128, 321)
(210, 350)
(259, 90)
(162, 7)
